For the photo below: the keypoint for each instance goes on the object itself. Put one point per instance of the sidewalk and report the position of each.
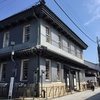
(85, 95)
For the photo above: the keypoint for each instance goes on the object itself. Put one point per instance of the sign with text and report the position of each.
(11, 87)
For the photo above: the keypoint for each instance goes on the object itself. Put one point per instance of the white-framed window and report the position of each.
(24, 69)
(48, 69)
(75, 51)
(60, 41)
(79, 53)
(26, 33)
(3, 71)
(48, 34)
(6, 39)
(69, 47)
(58, 71)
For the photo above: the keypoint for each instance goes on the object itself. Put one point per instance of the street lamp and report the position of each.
(12, 52)
(12, 58)
(14, 72)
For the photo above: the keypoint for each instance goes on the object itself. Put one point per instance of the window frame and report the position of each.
(48, 35)
(76, 51)
(59, 79)
(59, 41)
(6, 40)
(69, 47)
(49, 76)
(21, 73)
(1, 71)
(24, 33)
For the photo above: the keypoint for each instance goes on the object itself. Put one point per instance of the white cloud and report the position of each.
(96, 17)
(93, 10)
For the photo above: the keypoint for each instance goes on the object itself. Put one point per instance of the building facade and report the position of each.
(92, 74)
(46, 52)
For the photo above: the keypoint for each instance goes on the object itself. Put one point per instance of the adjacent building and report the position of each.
(47, 53)
(92, 74)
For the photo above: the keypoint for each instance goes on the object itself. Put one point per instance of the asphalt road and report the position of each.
(85, 95)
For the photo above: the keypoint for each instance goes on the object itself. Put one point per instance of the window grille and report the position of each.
(6, 40)
(59, 41)
(26, 33)
(25, 70)
(48, 69)
(3, 71)
(58, 70)
(47, 34)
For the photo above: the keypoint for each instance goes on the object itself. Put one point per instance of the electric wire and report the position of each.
(69, 9)
(74, 22)
(7, 4)
(29, 6)
(66, 15)
(74, 14)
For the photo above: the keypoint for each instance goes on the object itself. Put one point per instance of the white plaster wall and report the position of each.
(53, 46)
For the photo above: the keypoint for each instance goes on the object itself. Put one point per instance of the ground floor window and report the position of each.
(3, 71)
(24, 69)
(48, 66)
(58, 71)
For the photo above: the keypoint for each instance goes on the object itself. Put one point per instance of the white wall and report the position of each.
(53, 46)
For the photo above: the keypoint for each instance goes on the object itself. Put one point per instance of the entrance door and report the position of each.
(72, 80)
(66, 77)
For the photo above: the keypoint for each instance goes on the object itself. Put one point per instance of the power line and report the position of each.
(74, 22)
(13, 2)
(73, 13)
(7, 4)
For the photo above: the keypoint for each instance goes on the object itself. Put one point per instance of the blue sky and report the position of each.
(85, 13)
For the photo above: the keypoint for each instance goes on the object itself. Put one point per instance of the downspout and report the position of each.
(38, 55)
(42, 2)
(38, 35)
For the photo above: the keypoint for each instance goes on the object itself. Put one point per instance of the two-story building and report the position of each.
(46, 51)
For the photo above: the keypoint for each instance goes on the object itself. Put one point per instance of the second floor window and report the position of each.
(3, 71)
(75, 51)
(59, 41)
(24, 69)
(26, 33)
(48, 35)
(69, 48)
(79, 53)
(6, 39)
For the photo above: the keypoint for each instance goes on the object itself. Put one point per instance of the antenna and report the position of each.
(42, 2)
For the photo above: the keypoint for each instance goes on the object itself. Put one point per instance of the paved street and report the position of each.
(85, 95)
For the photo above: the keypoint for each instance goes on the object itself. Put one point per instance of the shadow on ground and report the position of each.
(94, 97)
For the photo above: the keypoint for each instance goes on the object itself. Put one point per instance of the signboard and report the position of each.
(68, 80)
(11, 87)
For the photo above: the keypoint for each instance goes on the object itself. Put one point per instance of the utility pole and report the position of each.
(98, 48)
